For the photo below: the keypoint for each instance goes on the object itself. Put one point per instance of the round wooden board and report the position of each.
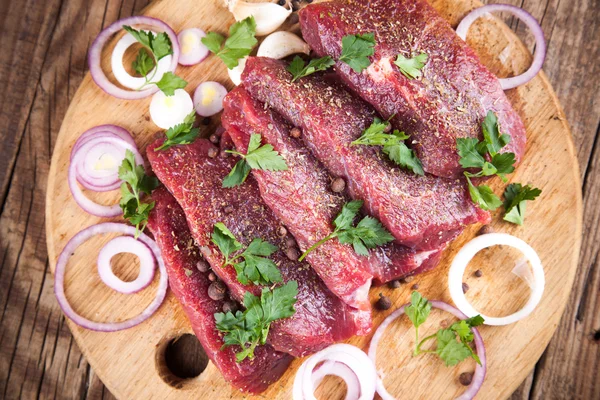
(130, 362)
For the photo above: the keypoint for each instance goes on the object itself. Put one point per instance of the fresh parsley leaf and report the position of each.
(393, 145)
(356, 50)
(143, 37)
(238, 45)
(419, 309)
(515, 198)
(143, 63)
(135, 184)
(449, 349)
(169, 83)
(367, 234)
(299, 69)
(251, 264)
(257, 157)
(483, 196)
(491, 134)
(411, 67)
(183, 133)
(470, 157)
(250, 328)
(504, 163)
(161, 45)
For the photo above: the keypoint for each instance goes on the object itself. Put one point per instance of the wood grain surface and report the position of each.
(43, 61)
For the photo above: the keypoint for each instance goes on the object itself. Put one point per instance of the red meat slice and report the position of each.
(424, 212)
(302, 199)
(448, 102)
(190, 286)
(195, 181)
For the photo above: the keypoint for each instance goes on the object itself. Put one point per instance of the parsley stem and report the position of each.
(418, 349)
(317, 244)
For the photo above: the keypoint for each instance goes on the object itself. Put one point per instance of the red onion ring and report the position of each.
(480, 370)
(95, 56)
(197, 51)
(532, 24)
(75, 170)
(105, 131)
(355, 361)
(126, 244)
(73, 244)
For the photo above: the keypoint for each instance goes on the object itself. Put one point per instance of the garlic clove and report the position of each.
(268, 16)
(235, 74)
(282, 44)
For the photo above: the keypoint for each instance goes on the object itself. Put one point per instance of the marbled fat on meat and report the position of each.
(424, 212)
(195, 180)
(190, 286)
(448, 102)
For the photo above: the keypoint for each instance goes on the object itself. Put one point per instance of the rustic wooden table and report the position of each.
(42, 61)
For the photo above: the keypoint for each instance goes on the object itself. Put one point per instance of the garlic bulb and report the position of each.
(282, 44)
(268, 16)
(235, 74)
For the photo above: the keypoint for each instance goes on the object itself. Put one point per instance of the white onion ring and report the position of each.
(75, 170)
(480, 370)
(532, 24)
(95, 56)
(193, 51)
(461, 260)
(208, 98)
(126, 244)
(352, 357)
(73, 244)
(168, 111)
(342, 371)
(102, 130)
(122, 76)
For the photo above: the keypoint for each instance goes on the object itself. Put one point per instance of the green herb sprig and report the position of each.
(452, 343)
(251, 264)
(411, 67)
(393, 145)
(135, 184)
(158, 46)
(257, 157)
(238, 45)
(250, 328)
(367, 234)
(299, 69)
(356, 50)
(515, 198)
(183, 133)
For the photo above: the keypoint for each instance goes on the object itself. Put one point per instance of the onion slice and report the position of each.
(77, 169)
(281, 44)
(208, 98)
(355, 362)
(73, 244)
(461, 260)
(480, 370)
(532, 24)
(193, 51)
(235, 73)
(95, 56)
(168, 111)
(126, 244)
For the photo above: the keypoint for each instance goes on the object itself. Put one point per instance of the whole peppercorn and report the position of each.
(415, 286)
(212, 277)
(281, 231)
(202, 266)
(214, 139)
(292, 253)
(465, 378)
(217, 290)
(230, 306)
(282, 2)
(478, 273)
(384, 302)
(408, 279)
(212, 152)
(395, 284)
(295, 133)
(484, 230)
(465, 287)
(338, 185)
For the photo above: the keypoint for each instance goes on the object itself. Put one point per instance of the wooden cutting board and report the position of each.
(131, 362)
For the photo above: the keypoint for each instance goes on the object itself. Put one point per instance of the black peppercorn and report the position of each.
(465, 378)
(212, 152)
(395, 284)
(295, 133)
(212, 277)
(230, 306)
(217, 290)
(478, 273)
(384, 302)
(214, 139)
(465, 287)
(415, 286)
(202, 266)
(338, 185)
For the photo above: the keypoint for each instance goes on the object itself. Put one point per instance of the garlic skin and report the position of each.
(235, 74)
(282, 44)
(268, 16)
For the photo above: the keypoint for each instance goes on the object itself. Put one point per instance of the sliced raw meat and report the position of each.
(195, 178)
(424, 212)
(190, 286)
(448, 102)
(303, 200)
